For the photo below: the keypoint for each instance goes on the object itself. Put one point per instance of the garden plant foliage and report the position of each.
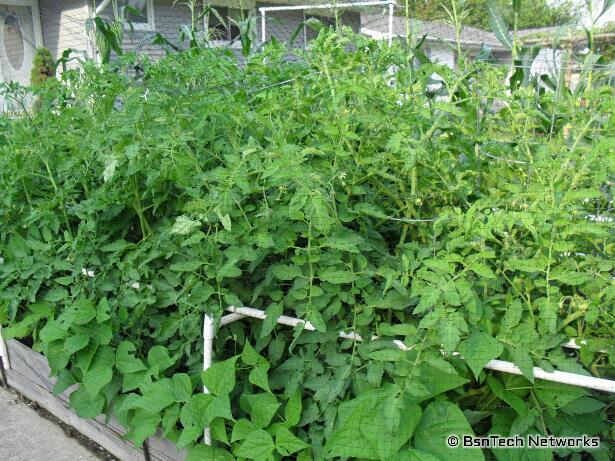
(143, 195)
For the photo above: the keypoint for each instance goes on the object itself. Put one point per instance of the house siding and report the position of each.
(167, 20)
(442, 54)
(64, 26)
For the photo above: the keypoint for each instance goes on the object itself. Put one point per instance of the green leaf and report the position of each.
(315, 318)
(388, 355)
(439, 421)
(286, 443)
(478, 350)
(102, 311)
(436, 376)
(498, 26)
(100, 372)
(286, 272)
(257, 445)
(184, 225)
(273, 312)
(571, 278)
(76, 343)
(374, 425)
(403, 329)
(258, 377)
(157, 395)
(125, 361)
(159, 359)
(512, 317)
(345, 240)
(169, 420)
(80, 313)
(224, 219)
(53, 331)
(189, 434)
(242, 429)
(220, 377)
(65, 380)
(56, 294)
(182, 387)
(86, 405)
(429, 298)
(262, 408)
(144, 425)
(203, 452)
(132, 381)
(481, 269)
(249, 356)
(192, 414)
(413, 455)
(439, 265)
(512, 399)
(523, 360)
(292, 412)
(336, 276)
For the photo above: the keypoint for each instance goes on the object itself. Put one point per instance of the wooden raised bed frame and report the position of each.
(29, 375)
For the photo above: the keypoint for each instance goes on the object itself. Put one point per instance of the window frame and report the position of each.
(150, 25)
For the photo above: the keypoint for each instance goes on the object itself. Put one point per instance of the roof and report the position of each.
(435, 30)
(538, 31)
(550, 36)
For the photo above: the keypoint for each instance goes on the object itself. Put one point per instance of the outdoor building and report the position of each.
(563, 49)
(440, 38)
(62, 24)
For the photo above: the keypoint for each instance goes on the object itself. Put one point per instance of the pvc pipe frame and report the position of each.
(390, 3)
(573, 379)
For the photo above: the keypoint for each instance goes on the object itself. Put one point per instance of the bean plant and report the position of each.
(469, 220)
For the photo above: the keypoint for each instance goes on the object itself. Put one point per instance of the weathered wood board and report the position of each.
(29, 375)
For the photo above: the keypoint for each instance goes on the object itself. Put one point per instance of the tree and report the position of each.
(43, 67)
(537, 13)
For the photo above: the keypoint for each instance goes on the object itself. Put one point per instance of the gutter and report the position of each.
(381, 35)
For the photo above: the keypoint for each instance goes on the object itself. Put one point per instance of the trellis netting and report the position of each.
(339, 245)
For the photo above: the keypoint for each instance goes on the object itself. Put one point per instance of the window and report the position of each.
(326, 21)
(145, 8)
(224, 28)
(13, 42)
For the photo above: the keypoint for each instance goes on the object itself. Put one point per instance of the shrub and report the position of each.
(43, 67)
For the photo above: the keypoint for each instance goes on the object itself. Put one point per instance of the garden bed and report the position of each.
(29, 375)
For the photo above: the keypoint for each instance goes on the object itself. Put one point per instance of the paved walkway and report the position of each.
(27, 436)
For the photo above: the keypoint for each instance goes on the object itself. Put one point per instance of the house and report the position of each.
(62, 24)
(563, 49)
(440, 38)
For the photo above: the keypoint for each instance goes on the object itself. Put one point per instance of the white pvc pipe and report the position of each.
(391, 6)
(263, 28)
(496, 365)
(101, 7)
(573, 379)
(208, 341)
(241, 312)
(4, 353)
(326, 6)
